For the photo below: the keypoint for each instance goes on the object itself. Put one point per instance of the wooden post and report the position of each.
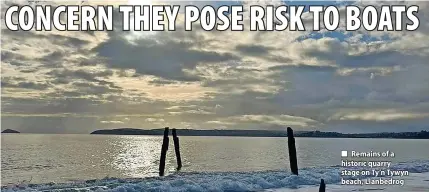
(292, 151)
(164, 149)
(177, 149)
(322, 186)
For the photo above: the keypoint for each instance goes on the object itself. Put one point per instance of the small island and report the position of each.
(264, 133)
(10, 131)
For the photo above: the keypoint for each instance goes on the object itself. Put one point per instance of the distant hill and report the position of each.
(263, 133)
(400, 135)
(194, 132)
(10, 131)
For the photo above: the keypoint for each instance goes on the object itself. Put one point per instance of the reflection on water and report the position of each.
(137, 156)
(59, 158)
(62, 158)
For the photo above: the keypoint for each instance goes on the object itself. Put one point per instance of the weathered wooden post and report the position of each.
(292, 151)
(322, 186)
(177, 149)
(164, 149)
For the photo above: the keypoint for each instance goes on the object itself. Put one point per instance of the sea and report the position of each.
(68, 162)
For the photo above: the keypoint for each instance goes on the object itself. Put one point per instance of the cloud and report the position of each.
(277, 120)
(387, 115)
(9, 82)
(76, 82)
(112, 122)
(154, 120)
(164, 58)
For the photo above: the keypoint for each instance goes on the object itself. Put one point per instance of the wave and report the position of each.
(213, 181)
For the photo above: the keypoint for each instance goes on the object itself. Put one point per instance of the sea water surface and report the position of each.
(36, 162)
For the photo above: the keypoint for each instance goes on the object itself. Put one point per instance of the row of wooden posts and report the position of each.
(164, 149)
(293, 158)
(165, 142)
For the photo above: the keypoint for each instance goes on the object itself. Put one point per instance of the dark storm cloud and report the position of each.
(166, 60)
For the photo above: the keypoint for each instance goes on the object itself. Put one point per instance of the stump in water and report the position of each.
(292, 151)
(177, 149)
(322, 186)
(164, 149)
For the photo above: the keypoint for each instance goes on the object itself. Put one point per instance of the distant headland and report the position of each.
(10, 131)
(264, 133)
(194, 132)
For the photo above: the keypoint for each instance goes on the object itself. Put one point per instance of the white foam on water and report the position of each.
(308, 179)
(415, 182)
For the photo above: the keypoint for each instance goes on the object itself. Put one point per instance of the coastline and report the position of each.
(263, 133)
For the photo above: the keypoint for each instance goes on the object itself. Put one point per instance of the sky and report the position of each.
(78, 82)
